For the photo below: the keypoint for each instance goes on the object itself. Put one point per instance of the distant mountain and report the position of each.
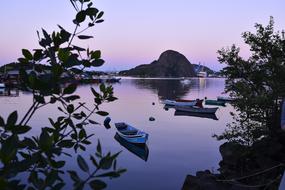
(198, 68)
(170, 64)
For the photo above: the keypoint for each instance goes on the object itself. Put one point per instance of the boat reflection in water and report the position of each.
(139, 150)
(193, 114)
(9, 92)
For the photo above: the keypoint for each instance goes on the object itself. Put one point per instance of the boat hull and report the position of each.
(193, 114)
(215, 102)
(177, 103)
(131, 134)
(196, 109)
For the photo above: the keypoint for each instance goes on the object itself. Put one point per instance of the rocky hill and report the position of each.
(170, 64)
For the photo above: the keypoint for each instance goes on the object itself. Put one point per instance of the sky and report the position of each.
(137, 32)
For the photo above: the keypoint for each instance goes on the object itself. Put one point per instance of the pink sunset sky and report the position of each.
(137, 32)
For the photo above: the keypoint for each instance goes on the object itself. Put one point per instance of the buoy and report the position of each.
(153, 103)
(151, 118)
(107, 122)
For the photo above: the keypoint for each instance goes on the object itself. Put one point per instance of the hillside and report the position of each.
(170, 64)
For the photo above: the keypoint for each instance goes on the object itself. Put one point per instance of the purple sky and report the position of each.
(137, 32)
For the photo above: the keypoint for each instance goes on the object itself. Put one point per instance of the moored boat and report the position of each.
(196, 109)
(223, 98)
(215, 102)
(195, 114)
(2, 85)
(182, 102)
(131, 134)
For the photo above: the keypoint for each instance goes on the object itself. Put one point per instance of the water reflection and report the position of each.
(141, 151)
(165, 89)
(178, 88)
(9, 92)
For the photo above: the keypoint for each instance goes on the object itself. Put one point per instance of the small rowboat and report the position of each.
(131, 134)
(226, 99)
(195, 109)
(215, 102)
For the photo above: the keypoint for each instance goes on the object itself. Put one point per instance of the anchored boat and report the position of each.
(131, 134)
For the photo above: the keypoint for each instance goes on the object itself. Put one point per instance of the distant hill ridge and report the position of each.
(170, 64)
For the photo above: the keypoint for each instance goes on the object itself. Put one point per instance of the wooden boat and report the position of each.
(223, 98)
(195, 109)
(195, 114)
(131, 134)
(215, 102)
(141, 151)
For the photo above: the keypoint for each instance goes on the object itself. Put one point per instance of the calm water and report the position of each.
(178, 145)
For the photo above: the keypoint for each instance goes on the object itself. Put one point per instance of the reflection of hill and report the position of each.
(166, 89)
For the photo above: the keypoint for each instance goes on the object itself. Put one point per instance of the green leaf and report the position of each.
(63, 55)
(102, 113)
(27, 54)
(96, 54)
(99, 21)
(12, 118)
(100, 14)
(83, 37)
(91, 11)
(82, 164)
(21, 129)
(97, 184)
(70, 89)
(97, 62)
(80, 16)
(70, 108)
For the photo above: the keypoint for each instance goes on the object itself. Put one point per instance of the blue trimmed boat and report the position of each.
(131, 134)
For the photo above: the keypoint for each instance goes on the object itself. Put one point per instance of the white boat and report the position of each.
(196, 109)
(202, 74)
(131, 134)
(179, 102)
(223, 98)
(2, 85)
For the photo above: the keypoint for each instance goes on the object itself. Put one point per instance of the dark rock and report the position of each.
(169, 64)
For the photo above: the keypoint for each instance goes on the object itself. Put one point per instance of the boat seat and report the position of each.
(130, 132)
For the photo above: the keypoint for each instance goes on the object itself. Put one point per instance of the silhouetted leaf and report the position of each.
(12, 118)
(80, 16)
(102, 113)
(27, 54)
(70, 89)
(83, 37)
(82, 164)
(97, 184)
(96, 54)
(97, 62)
